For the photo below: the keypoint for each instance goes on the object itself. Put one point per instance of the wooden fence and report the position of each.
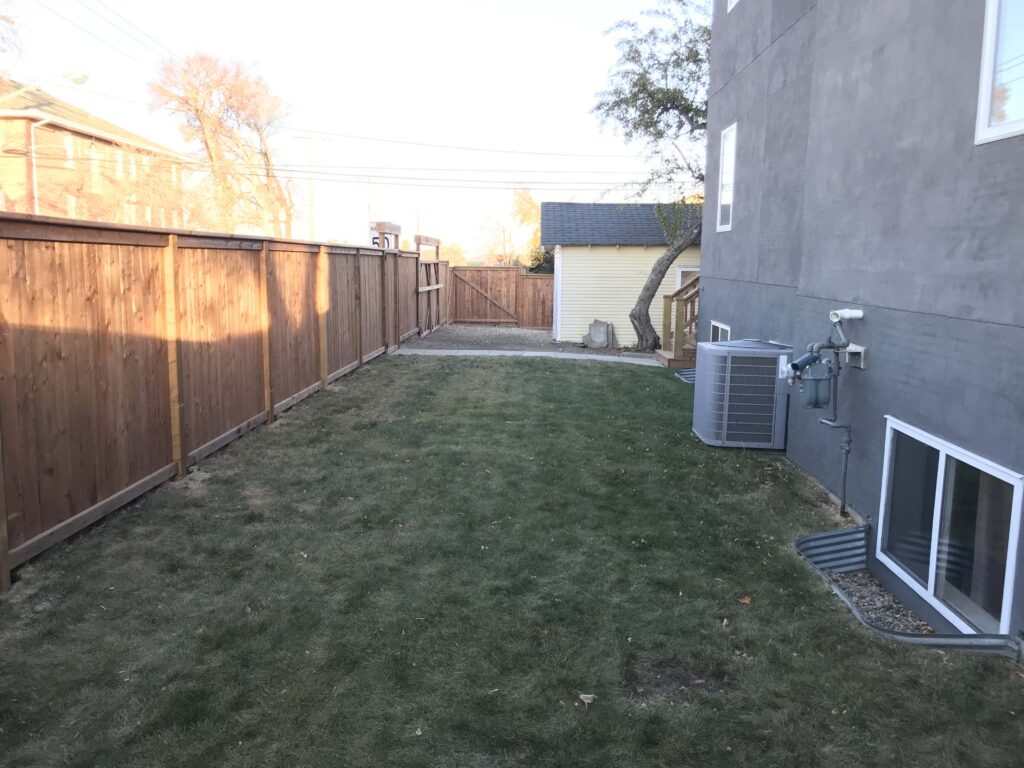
(502, 295)
(127, 354)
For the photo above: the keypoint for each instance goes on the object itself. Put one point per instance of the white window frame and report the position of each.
(679, 275)
(730, 4)
(721, 327)
(119, 163)
(721, 165)
(69, 151)
(948, 450)
(984, 132)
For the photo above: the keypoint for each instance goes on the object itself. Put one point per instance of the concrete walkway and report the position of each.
(629, 360)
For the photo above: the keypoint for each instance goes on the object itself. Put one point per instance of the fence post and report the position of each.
(359, 307)
(177, 406)
(384, 297)
(268, 393)
(322, 304)
(5, 569)
(677, 339)
(398, 298)
(666, 322)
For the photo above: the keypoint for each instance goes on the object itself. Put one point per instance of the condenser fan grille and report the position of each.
(737, 400)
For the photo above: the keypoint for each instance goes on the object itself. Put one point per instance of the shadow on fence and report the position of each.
(127, 354)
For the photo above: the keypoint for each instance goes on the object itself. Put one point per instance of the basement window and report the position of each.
(1001, 92)
(948, 526)
(720, 331)
(726, 175)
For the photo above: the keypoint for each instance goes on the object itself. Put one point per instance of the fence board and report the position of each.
(408, 281)
(535, 301)
(294, 328)
(85, 379)
(221, 341)
(341, 312)
(372, 325)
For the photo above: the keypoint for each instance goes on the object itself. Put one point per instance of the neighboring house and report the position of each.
(871, 155)
(58, 160)
(603, 254)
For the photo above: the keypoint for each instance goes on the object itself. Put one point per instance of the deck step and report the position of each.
(687, 358)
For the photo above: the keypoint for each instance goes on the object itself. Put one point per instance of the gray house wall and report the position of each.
(858, 184)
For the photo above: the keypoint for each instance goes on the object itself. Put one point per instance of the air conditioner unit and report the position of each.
(741, 396)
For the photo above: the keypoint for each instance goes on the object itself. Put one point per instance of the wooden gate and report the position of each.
(501, 296)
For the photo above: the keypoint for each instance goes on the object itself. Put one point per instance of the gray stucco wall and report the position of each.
(858, 184)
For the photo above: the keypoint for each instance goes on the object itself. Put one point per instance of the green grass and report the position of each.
(427, 564)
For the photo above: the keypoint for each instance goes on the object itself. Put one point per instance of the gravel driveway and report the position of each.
(504, 338)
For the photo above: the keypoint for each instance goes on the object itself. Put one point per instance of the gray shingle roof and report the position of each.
(606, 223)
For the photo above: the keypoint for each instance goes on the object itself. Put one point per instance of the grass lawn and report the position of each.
(427, 564)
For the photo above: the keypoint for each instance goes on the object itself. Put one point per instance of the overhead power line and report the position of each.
(91, 34)
(114, 25)
(315, 173)
(132, 24)
(456, 147)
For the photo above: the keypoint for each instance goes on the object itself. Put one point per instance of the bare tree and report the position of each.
(231, 115)
(658, 95)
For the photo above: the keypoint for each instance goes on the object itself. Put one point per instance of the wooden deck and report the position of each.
(679, 326)
(684, 357)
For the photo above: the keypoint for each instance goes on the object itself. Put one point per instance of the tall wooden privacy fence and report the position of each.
(502, 295)
(127, 354)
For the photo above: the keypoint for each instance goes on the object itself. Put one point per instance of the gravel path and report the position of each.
(501, 337)
(877, 605)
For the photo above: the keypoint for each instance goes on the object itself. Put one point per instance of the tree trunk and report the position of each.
(640, 315)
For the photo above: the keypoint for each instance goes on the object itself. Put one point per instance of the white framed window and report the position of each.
(949, 526)
(132, 169)
(726, 177)
(683, 274)
(119, 164)
(69, 151)
(1001, 91)
(720, 331)
(730, 4)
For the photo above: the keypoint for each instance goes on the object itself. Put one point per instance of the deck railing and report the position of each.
(679, 318)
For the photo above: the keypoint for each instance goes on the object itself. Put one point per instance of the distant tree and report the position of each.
(658, 95)
(231, 115)
(526, 212)
(453, 253)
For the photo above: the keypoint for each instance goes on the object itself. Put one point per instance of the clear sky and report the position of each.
(513, 75)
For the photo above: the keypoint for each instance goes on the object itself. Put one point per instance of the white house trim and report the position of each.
(556, 325)
(984, 131)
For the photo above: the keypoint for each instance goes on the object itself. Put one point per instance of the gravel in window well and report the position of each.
(877, 605)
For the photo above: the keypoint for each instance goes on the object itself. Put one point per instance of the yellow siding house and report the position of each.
(603, 254)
